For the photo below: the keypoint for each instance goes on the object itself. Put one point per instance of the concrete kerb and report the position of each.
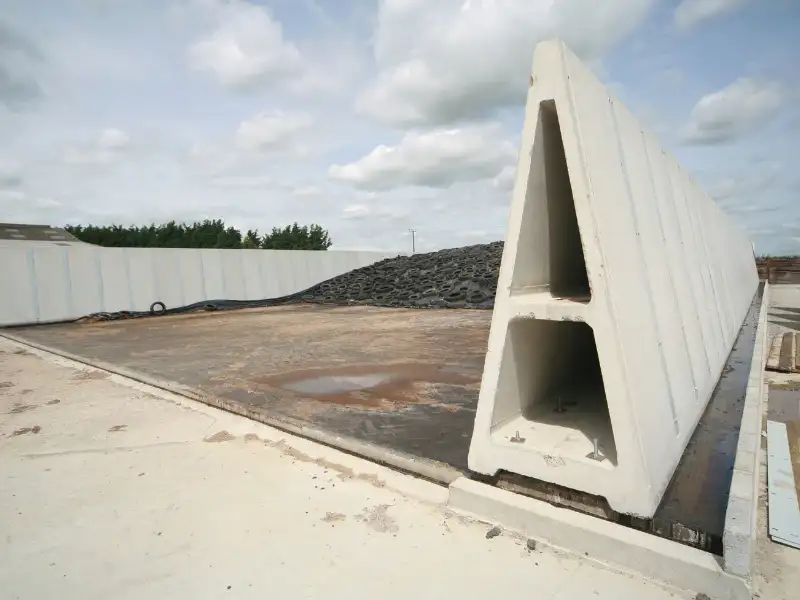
(740, 534)
(431, 470)
(622, 548)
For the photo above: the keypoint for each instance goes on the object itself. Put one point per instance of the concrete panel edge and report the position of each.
(741, 517)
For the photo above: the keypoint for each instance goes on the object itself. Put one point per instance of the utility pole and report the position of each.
(413, 240)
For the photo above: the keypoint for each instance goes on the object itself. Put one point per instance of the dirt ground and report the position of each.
(406, 379)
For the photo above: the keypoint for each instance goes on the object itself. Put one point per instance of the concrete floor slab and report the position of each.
(402, 379)
(113, 489)
(420, 423)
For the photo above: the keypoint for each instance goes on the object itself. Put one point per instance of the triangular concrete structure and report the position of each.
(622, 289)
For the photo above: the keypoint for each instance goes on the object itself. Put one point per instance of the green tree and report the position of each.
(251, 239)
(294, 237)
(210, 233)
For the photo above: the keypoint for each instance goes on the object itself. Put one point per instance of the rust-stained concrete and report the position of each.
(402, 378)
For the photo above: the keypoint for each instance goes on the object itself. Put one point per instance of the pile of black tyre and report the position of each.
(454, 278)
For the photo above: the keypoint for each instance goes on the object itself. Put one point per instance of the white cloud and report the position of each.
(733, 111)
(107, 148)
(11, 197)
(440, 62)
(356, 211)
(745, 185)
(35, 208)
(434, 159)
(691, 13)
(20, 61)
(273, 130)
(246, 49)
(177, 94)
(113, 140)
(10, 173)
(243, 181)
(306, 191)
(504, 180)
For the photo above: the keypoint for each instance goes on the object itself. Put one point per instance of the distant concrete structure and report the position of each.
(47, 275)
(621, 291)
(16, 232)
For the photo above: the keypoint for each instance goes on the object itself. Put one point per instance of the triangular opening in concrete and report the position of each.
(549, 223)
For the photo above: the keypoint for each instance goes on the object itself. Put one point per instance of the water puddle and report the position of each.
(388, 386)
(332, 384)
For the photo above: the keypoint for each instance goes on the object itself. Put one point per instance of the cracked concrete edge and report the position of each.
(621, 548)
(739, 538)
(434, 471)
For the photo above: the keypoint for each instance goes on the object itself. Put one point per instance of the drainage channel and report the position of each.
(692, 511)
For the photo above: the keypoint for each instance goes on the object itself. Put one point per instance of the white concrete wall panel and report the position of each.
(291, 271)
(86, 286)
(52, 282)
(274, 271)
(252, 276)
(629, 358)
(193, 275)
(47, 283)
(17, 288)
(168, 277)
(115, 276)
(144, 281)
(233, 272)
(212, 277)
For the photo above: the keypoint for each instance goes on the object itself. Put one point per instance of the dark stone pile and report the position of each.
(454, 278)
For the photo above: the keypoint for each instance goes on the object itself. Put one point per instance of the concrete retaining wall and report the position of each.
(622, 289)
(43, 283)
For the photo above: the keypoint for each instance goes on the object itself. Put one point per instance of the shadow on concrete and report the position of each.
(793, 325)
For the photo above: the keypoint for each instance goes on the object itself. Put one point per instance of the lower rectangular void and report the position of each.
(551, 396)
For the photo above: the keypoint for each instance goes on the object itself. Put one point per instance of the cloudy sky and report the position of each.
(371, 117)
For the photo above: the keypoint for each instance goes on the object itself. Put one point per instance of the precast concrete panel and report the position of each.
(193, 274)
(115, 275)
(270, 273)
(142, 277)
(621, 291)
(19, 295)
(233, 272)
(52, 283)
(86, 290)
(169, 280)
(212, 276)
(291, 270)
(252, 276)
(315, 268)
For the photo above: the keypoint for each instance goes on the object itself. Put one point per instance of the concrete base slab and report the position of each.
(612, 544)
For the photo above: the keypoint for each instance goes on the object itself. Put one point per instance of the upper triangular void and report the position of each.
(549, 224)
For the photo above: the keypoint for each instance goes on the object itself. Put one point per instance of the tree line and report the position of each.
(203, 234)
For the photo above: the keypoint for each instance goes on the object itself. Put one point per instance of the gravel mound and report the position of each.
(453, 278)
